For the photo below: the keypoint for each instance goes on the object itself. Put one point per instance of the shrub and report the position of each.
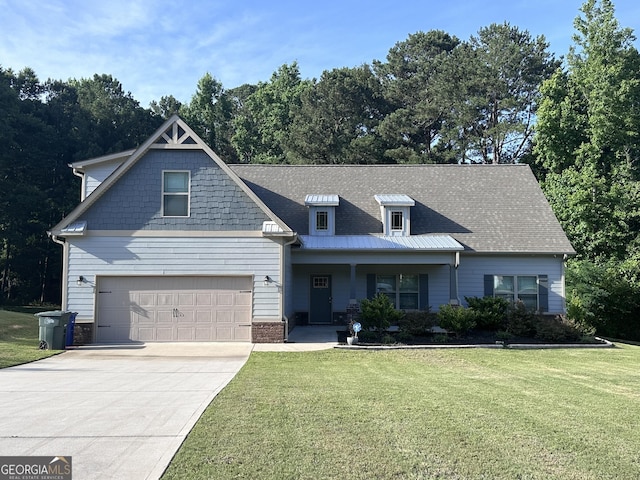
(388, 339)
(404, 337)
(367, 337)
(504, 336)
(417, 324)
(557, 329)
(520, 320)
(378, 313)
(456, 319)
(491, 312)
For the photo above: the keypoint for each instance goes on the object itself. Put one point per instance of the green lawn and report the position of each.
(423, 414)
(19, 336)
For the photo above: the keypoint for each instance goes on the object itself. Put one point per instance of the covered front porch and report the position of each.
(328, 282)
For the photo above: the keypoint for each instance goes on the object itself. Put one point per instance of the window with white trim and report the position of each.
(403, 290)
(397, 220)
(322, 220)
(175, 193)
(515, 288)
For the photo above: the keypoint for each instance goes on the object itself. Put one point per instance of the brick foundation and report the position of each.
(267, 332)
(83, 333)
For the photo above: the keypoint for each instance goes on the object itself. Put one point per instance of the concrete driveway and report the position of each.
(119, 412)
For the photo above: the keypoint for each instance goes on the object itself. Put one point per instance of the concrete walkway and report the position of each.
(122, 411)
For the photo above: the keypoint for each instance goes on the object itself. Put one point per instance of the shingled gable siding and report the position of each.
(150, 256)
(134, 201)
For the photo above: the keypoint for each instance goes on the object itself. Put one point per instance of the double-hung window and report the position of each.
(175, 193)
(402, 290)
(515, 288)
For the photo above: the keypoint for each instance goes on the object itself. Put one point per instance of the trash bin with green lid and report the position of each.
(51, 332)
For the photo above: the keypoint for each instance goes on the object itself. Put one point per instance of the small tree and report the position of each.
(378, 313)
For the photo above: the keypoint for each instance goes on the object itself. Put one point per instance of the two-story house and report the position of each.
(170, 243)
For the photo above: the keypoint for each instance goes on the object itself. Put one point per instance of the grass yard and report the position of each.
(19, 337)
(423, 414)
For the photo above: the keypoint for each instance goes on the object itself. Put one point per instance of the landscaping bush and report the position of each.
(367, 337)
(520, 320)
(378, 313)
(556, 329)
(456, 319)
(417, 323)
(491, 312)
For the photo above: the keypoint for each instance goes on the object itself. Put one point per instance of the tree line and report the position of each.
(498, 97)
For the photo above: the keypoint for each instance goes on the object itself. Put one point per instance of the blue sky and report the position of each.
(163, 47)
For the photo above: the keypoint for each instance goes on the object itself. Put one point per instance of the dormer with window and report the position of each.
(395, 213)
(322, 213)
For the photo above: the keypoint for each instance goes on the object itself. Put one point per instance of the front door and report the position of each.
(320, 299)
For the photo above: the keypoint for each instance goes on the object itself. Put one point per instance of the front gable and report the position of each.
(216, 202)
(131, 197)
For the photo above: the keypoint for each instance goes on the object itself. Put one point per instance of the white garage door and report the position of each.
(173, 309)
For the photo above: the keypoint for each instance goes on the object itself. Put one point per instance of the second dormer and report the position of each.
(322, 213)
(395, 211)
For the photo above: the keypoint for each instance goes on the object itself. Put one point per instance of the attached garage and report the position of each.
(173, 309)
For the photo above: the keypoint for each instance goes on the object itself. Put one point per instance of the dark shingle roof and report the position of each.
(487, 208)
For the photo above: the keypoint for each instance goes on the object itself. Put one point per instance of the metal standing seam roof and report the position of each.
(443, 243)
(317, 200)
(395, 200)
(75, 228)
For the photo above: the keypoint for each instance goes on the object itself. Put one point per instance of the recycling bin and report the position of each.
(71, 323)
(51, 331)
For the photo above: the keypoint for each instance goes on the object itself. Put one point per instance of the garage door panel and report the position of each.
(203, 335)
(163, 334)
(224, 299)
(164, 316)
(164, 298)
(204, 299)
(243, 298)
(167, 309)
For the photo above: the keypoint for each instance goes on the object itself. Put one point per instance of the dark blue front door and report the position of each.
(320, 299)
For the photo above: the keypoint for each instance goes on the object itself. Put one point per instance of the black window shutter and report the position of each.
(488, 285)
(371, 285)
(423, 280)
(543, 293)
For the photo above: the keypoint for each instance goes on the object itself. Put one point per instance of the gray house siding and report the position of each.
(438, 276)
(473, 268)
(134, 202)
(93, 256)
(97, 174)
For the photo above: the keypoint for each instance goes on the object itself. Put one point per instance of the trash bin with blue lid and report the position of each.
(71, 323)
(51, 331)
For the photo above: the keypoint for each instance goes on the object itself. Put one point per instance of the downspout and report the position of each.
(283, 283)
(65, 269)
(83, 191)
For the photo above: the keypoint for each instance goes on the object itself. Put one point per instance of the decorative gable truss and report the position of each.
(175, 136)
